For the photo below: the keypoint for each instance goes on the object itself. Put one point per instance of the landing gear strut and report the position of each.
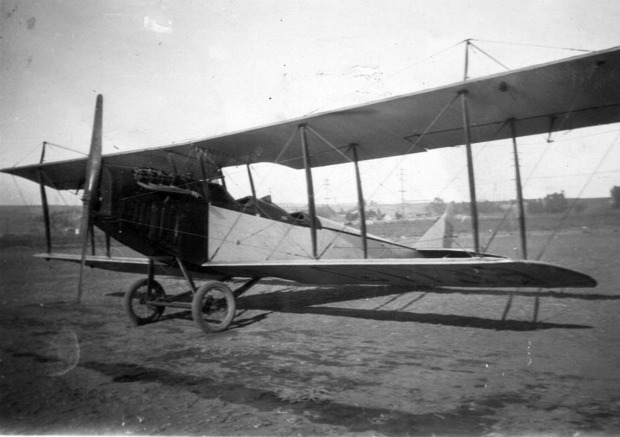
(212, 305)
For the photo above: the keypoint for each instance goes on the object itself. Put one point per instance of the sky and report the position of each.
(172, 71)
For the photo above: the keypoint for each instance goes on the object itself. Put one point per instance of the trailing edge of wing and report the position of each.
(572, 93)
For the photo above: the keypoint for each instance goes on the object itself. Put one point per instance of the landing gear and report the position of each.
(139, 302)
(213, 307)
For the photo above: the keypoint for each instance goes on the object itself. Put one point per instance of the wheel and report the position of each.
(213, 307)
(136, 298)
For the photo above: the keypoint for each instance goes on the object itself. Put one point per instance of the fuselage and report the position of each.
(162, 216)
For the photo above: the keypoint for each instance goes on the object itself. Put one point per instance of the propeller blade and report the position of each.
(91, 185)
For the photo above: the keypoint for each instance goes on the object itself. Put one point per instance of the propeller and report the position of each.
(91, 185)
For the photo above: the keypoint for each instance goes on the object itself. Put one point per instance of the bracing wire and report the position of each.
(574, 202)
(21, 194)
(414, 145)
(27, 155)
(66, 148)
(499, 226)
(534, 45)
(477, 152)
(489, 56)
(436, 54)
(512, 204)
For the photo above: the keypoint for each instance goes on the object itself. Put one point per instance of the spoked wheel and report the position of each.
(213, 307)
(136, 302)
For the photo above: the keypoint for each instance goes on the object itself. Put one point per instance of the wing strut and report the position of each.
(360, 194)
(519, 191)
(470, 171)
(203, 173)
(252, 187)
(44, 204)
(310, 188)
(360, 200)
(466, 67)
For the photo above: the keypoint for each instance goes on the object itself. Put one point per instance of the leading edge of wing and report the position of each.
(570, 93)
(449, 272)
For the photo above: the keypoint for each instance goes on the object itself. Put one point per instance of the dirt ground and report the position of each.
(316, 361)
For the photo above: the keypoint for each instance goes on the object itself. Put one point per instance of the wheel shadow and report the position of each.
(291, 299)
(240, 320)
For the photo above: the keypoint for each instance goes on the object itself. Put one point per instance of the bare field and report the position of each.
(317, 361)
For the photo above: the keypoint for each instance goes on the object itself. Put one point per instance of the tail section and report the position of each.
(440, 234)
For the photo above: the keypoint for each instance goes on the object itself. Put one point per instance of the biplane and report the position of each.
(171, 204)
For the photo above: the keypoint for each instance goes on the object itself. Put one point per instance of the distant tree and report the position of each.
(375, 215)
(398, 216)
(437, 206)
(60, 220)
(579, 207)
(535, 206)
(462, 208)
(552, 203)
(555, 202)
(615, 196)
(488, 207)
(325, 211)
(352, 215)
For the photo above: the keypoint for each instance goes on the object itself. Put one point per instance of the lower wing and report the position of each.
(422, 272)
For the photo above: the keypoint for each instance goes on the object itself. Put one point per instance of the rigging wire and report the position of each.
(414, 145)
(26, 156)
(463, 167)
(533, 45)
(499, 226)
(513, 203)
(66, 148)
(21, 195)
(29, 207)
(489, 56)
(574, 202)
(436, 54)
(571, 207)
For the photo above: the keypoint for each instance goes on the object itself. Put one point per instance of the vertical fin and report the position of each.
(440, 234)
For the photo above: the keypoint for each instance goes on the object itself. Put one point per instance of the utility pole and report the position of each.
(327, 190)
(402, 192)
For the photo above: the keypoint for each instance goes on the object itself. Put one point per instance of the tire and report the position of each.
(213, 307)
(138, 311)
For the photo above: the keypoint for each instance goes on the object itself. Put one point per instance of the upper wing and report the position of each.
(567, 94)
(416, 272)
